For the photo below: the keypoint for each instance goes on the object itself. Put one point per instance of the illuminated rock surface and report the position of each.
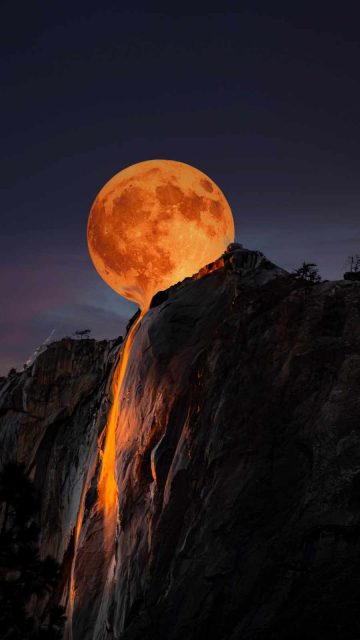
(238, 461)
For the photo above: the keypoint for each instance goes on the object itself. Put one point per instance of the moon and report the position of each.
(154, 224)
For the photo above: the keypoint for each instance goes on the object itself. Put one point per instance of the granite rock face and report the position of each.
(50, 417)
(237, 461)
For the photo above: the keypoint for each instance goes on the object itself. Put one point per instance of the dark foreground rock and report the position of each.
(238, 461)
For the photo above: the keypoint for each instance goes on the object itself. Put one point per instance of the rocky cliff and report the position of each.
(237, 462)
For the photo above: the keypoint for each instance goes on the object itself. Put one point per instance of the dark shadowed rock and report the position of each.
(50, 417)
(238, 470)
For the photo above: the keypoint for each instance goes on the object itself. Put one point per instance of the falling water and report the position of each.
(107, 502)
(107, 487)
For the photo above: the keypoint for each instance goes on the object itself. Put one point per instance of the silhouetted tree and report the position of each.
(23, 575)
(308, 271)
(353, 262)
(82, 333)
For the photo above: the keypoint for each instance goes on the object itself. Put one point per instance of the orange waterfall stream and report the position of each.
(107, 502)
(107, 486)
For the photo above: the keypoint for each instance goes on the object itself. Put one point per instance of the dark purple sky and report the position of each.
(265, 100)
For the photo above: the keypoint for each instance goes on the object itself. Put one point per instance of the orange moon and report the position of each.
(155, 223)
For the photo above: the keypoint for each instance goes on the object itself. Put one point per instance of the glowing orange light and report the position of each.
(150, 226)
(154, 224)
(107, 486)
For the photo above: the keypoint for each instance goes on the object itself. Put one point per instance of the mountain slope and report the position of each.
(238, 461)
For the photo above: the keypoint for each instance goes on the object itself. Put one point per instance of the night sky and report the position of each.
(265, 100)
